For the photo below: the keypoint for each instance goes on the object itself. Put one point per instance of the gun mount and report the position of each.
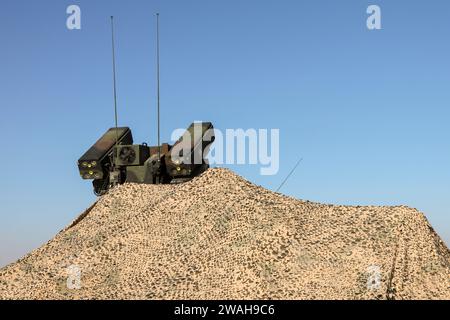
(114, 159)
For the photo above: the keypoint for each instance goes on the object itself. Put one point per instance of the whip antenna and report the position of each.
(114, 82)
(290, 173)
(157, 80)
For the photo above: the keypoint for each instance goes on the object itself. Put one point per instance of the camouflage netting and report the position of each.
(221, 237)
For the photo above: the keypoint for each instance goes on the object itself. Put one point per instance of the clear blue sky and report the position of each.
(367, 110)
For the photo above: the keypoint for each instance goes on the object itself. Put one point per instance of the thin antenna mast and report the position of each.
(157, 80)
(114, 82)
(290, 173)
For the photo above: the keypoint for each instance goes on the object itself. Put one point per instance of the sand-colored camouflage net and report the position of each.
(221, 237)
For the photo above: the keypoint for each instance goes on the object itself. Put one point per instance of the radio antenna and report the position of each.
(157, 81)
(290, 173)
(114, 83)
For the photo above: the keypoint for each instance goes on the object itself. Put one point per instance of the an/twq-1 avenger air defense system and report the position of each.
(114, 159)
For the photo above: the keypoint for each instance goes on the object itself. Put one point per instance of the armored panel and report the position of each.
(163, 149)
(151, 172)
